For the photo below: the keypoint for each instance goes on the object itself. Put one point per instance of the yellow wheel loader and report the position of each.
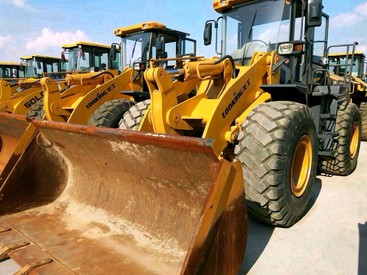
(18, 97)
(81, 55)
(96, 200)
(105, 103)
(11, 72)
(358, 92)
(168, 199)
(267, 102)
(100, 98)
(38, 65)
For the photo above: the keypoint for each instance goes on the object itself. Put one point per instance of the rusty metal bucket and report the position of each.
(91, 200)
(15, 134)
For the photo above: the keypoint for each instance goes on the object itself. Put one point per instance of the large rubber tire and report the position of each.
(134, 115)
(346, 151)
(278, 151)
(110, 113)
(36, 110)
(363, 113)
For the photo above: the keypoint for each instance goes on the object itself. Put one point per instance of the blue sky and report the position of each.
(40, 27)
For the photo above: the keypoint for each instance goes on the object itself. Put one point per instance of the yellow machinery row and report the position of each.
(201, 142)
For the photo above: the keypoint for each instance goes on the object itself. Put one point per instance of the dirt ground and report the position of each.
(330, 239)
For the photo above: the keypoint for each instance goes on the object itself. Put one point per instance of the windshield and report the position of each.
(140, 47)
(86, 59)
(35, 68)
(30, 68)
(77, 60)
(6, 72)
(263, 21)
(136, 48)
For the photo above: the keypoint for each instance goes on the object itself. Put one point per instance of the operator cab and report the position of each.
(84, 56)
(143, 42)
(11, 71)
(249, 26)
(335, 61)
(37, 66)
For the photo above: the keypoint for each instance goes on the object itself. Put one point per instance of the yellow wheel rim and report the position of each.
(301, 166)
(353, 145)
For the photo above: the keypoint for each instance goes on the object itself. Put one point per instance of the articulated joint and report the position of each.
(232, 134)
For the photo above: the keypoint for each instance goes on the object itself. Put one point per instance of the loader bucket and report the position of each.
(92, 200)
(15, 134)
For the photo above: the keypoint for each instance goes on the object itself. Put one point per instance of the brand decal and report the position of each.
(236, 97)
(100, 95)
(33, 100)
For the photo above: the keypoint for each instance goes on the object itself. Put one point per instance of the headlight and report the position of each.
(286, 48)
(136, 66)
(290, 48)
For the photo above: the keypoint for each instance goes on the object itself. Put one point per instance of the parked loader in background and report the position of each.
(104, 103)
(268, 104)
(83, 56)
(31, 98)
(85, 60)
(18, 97)
(37, 65)
(11, 71)
(358, 76)
(10, 74)
(86, 92)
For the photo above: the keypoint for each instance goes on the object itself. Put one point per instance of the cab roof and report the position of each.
(37, 56)
(85, 43)
(147, 26)
(5, 63)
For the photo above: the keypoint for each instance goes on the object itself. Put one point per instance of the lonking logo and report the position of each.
(100, 95)
(236, 98)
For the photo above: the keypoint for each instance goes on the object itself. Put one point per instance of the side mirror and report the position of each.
(115, 48)
(314, 15)
(39, 65)
(208, 33)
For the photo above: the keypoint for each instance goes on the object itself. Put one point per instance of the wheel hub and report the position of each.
(353, 145)
(301, 166)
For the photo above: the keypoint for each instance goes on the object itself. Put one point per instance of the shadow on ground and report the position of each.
(362, 257)
(259, 234)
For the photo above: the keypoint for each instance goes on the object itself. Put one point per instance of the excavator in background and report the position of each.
(358, 92)
(169, 199)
